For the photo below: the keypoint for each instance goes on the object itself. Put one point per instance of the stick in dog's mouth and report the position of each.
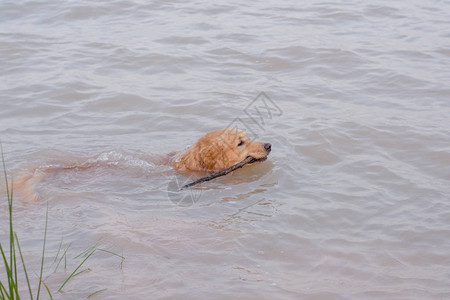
(248, 160)
(252, 160)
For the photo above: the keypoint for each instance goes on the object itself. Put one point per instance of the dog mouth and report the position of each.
(267, 147)
(253, 160)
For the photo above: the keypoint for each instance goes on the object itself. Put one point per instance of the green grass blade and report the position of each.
(8, 267)
(110, 252)
(243, 209)
(79, 266)
(3, 292)
(63, 257)
(97, 292)
(8, 274)
(87, 251)
(5, 261)
(48, 290)
(24, 268)
(82, 271)
(43, 254)
(4, 171)
(59, 249)
(13, 243)
(115, 254)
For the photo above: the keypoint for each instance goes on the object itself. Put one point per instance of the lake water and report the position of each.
(353, 202)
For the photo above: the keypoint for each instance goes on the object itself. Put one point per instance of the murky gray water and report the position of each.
(353, 202)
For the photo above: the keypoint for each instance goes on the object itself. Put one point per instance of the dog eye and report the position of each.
(241, 143)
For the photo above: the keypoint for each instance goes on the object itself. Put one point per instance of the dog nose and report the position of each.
(268, 147)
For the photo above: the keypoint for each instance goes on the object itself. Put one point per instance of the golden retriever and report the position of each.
(213, 152)
(219, 150)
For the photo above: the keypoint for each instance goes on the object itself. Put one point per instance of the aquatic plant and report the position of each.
(9, 287)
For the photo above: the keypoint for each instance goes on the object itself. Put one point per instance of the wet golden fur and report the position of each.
(219, 150)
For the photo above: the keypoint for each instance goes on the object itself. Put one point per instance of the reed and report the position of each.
(9, 286)
(9, 289)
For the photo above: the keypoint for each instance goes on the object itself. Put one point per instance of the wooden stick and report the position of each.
(220, 173)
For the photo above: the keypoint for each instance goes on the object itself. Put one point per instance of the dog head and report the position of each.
(221, 149)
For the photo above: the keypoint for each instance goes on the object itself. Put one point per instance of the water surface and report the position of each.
(353, 202)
